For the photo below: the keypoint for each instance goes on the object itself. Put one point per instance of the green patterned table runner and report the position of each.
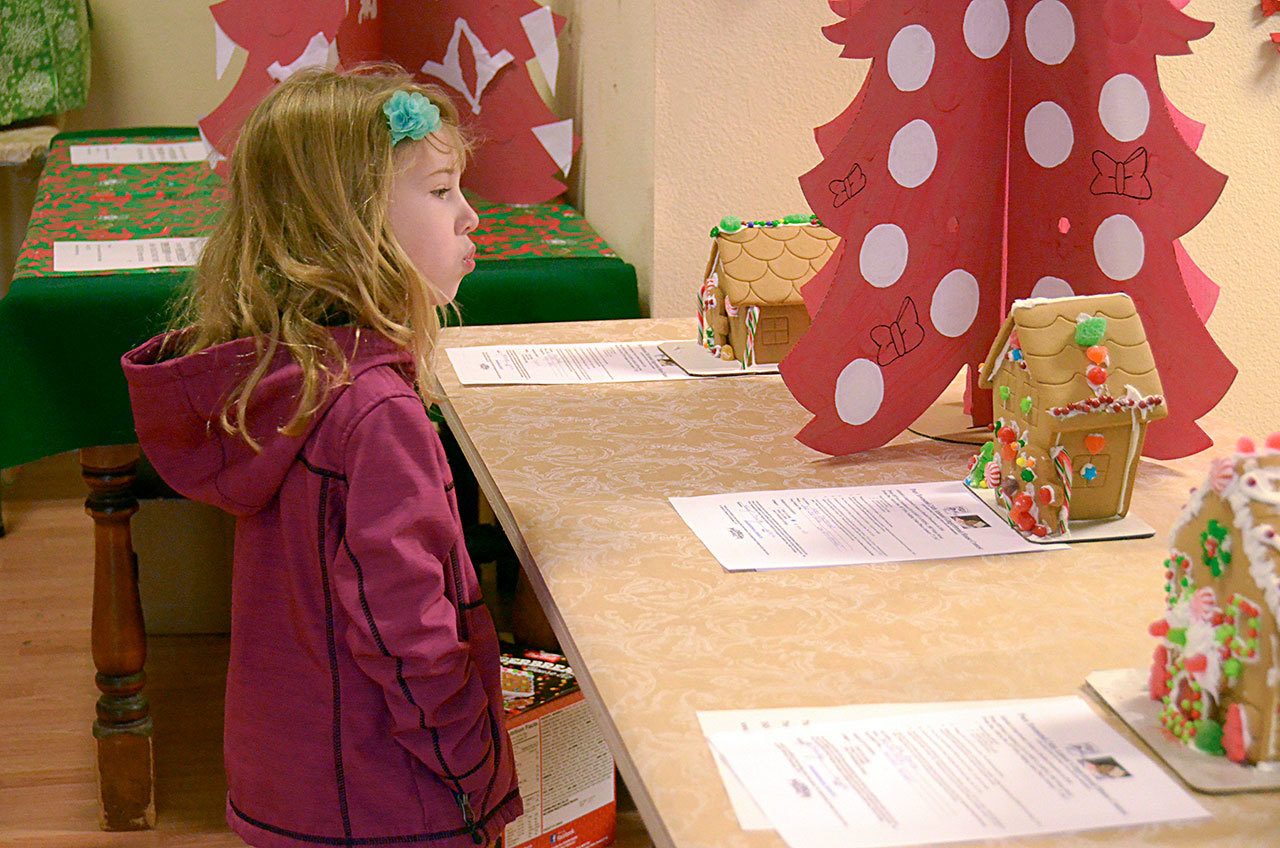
(155, 200)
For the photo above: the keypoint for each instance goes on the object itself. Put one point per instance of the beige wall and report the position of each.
(693, 109)
(153, 65)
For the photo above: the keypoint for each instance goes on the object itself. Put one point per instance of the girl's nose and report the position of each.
(470, 220)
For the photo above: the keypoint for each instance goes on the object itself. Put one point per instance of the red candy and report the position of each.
(1273, 441)
(1097, 354)
(1026, 521)
(1196, 664)
(1158, 681)
(1233, 734)
(1040, 530)
(1096, 374)
(1045, 495)
(1006, 435)
(1022, 503)
(1245, 445)
(1158, 628)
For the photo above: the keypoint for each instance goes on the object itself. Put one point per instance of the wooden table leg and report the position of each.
(123, 726)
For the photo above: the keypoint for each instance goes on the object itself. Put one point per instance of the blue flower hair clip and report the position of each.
(410, 115)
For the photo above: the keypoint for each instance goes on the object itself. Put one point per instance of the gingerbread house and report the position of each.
(1217, 667)
(749, 305)
(1074, 385)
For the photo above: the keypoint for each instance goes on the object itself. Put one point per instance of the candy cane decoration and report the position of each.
(1062, 462)
(753, 320)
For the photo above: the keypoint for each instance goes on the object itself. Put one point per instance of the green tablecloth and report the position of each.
(62, 334)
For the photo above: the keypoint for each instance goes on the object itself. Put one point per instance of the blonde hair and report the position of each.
(305, 241)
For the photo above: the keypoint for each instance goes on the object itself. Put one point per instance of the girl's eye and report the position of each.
(441, 193)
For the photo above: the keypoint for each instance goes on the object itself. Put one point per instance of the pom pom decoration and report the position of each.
(1246, 445)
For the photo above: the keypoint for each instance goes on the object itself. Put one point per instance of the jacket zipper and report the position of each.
(459, 595)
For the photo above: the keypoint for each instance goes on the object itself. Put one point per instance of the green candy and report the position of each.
(797, 218)
(1231, 668)
(1026, 406)
(1005, 391)
(988, 451)
(1177, 635)
(1090, 331)
(730, 224)
(1209, 737)
(1028, 475)
(1224, 632)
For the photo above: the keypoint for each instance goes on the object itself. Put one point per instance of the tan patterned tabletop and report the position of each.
(580, 475)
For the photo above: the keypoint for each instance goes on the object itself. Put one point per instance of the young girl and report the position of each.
(363, 697)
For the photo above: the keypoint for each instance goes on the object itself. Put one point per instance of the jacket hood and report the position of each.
(177, 404)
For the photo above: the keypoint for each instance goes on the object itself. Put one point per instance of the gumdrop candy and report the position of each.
(1158, 681)
(1234, 733)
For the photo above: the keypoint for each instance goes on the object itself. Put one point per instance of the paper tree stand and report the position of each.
(478, 53)
(1001, 150)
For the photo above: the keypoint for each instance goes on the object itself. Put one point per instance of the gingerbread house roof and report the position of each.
(767, 266)
(1057, 364)
(1250, 484)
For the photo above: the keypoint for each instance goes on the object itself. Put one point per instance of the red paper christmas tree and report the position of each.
(478, 52)
(279, 37)
(997, 150)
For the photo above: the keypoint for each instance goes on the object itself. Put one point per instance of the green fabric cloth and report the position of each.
(62, 335)
(44, 57)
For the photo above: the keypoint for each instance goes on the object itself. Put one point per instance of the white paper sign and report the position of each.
(136, 154)
(986, 772)
(805, 528)
(598, 362)
(750, 816)
(126, 254)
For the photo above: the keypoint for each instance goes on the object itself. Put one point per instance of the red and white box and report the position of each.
(565, 768)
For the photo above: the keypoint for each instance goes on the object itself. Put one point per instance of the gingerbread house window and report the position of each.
(774, 331)
(1098, 463)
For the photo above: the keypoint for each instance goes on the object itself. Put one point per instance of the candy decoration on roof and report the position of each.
(479, 53)
(974, 140)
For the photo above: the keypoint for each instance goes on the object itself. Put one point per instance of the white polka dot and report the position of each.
(913, 153)
(1124, 107)
(1119, 248)
(986, 27)
(859, 391)
(1052, 287)
(1048, 134)
(884, 255)
(911, 58)
(955, 303)
(1051, 32)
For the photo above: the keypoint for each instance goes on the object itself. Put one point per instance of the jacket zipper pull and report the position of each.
(468, 817)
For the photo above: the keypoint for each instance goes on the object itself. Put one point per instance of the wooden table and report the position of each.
(656, 630)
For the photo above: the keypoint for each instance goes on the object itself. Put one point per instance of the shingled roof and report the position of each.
(767, 266)
(1057, 364)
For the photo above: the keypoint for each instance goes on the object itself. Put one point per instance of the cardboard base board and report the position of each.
(1124, 692)
(1104, 530)
(697, 361)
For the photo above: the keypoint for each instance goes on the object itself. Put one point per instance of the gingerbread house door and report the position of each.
(780, 328)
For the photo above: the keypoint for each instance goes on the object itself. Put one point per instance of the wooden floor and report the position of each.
(47, 787)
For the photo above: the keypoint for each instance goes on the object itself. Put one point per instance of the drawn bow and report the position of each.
(844, 190)
(899, 337)
(1127, 178)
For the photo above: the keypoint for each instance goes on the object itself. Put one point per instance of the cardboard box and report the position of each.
(565, 768)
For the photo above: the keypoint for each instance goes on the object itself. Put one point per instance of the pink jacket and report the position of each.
(363, 699)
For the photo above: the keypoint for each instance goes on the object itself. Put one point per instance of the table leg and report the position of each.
(123, 726)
